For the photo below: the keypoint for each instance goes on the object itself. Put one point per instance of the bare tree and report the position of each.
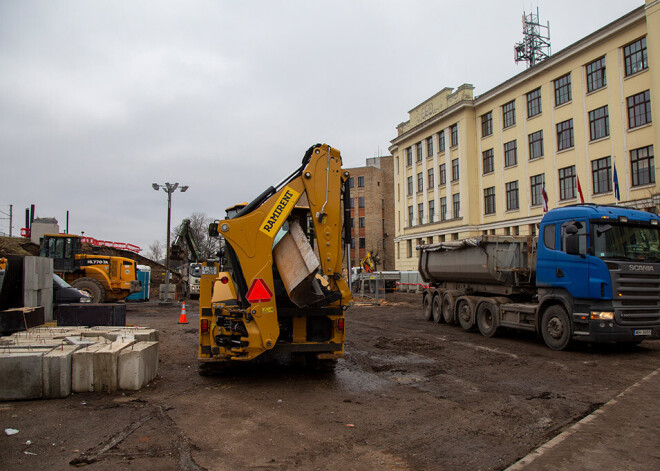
(155, 252)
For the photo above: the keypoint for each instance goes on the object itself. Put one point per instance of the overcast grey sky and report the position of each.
(98, 99)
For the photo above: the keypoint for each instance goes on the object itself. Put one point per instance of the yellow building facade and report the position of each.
(466, 166)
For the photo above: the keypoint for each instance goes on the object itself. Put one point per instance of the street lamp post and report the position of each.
(168, 188)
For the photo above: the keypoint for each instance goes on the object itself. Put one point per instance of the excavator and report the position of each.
(281, 289)
(184, 248)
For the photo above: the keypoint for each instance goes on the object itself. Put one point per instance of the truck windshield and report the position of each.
(626, 241)
(196, 269)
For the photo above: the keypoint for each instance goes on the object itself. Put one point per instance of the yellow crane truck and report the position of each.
(105, 278)
(278, 292)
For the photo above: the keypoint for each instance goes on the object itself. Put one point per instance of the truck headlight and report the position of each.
(602, 315)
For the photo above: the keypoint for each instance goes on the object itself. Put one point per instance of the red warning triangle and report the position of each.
(258, 292)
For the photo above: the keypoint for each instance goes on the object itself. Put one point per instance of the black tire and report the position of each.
(448, 305)
(556, 328)
(436, 308)
(92, 287)
(487, 318)
(465, 313)
(427, 306)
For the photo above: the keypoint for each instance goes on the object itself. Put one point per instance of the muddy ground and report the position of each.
(409, 395)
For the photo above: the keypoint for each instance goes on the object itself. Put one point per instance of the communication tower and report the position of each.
(535, 46)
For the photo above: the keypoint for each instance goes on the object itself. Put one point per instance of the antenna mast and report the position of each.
(535, 46)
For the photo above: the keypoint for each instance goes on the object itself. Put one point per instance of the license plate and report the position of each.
(642, 332)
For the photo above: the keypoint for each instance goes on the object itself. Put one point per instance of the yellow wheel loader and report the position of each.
(105, 278)
(282, 290)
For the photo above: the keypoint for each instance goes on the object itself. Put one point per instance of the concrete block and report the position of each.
(106, 365)
(57, 371)
(21, 373)
(86, 314)
(82, 368)
(138, 364)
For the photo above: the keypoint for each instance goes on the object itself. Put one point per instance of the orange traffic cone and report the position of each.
(182, 318)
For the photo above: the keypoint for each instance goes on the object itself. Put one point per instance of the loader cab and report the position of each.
(62, 248)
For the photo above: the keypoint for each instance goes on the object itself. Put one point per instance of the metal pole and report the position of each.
(11, 206)
(167, 248)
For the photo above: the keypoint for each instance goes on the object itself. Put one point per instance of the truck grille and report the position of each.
(636, 292)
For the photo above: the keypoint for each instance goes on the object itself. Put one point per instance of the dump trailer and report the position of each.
(281, 289)
(105, 278)
(591, 275)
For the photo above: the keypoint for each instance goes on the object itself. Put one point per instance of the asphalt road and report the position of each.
(409, 395)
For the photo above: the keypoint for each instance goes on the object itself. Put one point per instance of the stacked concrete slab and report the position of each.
(52, 362)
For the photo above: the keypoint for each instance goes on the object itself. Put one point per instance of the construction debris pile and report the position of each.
(53, 362)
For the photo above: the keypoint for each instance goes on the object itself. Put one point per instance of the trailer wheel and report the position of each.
(448, 305)
(487, 318)
(92, 287)
(556, 328)
(465, 310)
(427, 305)
(437, 309)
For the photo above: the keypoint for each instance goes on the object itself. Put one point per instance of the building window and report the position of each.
(360, 182)
(431, 210)
(420, 182)
(361, 202)
(443, 208)
(409, 156)
(431, 178)
(361, 222)
(642, 166)
(509, 114)
(487, 124)
(635, 58)
(441, 141)
(410, 216)
(596, 77)
(457, 205)
(488, 161)
(512, 195)
(454, 135)
(489, 200)
(410, 185)
(639, 109)
(563, 90)
(536, 145)
(536, 184)
(362, 243)
(419, 151)
(420, 213)
(599, 123)
(510, 153)
(352, 222)
(567, 183)
(429, 147)
(601, 172)
(534, 103)
(352, 203)
(565, 134)
(443, 174)
(353, 243)
(454, 170)
(409, 248)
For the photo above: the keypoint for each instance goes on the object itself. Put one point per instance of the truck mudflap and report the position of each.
(609, 331)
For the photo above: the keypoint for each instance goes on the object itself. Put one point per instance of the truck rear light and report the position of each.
(340, 324)
(205, 326)
(224, 280)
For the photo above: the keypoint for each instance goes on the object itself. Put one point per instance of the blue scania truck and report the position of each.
(592, 274)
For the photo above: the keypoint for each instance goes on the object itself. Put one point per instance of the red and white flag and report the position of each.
(579, 188)
(545, 198)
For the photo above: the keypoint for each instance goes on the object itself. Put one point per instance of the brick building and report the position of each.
(372, 209)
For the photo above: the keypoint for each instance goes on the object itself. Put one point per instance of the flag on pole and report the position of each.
(579, 188)
(617, 195)
(545, 198)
